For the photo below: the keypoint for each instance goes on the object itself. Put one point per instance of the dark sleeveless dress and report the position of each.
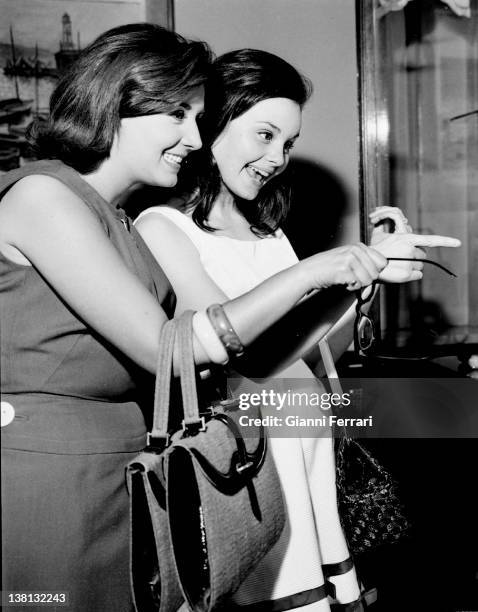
(77, 423)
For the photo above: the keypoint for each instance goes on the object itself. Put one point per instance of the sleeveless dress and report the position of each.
(77, 422)
(292, 573)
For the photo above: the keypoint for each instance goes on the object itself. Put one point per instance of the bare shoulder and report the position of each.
(38, 198)
(36, 211)
(161, 233)
(157, 217)
(29, 190)
(181, 261)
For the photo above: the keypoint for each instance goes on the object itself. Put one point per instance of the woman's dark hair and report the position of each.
(129, 71)
(240, 79)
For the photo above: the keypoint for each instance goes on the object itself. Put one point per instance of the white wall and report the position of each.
(316, 36)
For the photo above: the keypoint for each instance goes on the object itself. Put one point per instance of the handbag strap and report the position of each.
(182, 329)
(187, 370)
(162, 387)
(331, 372)
(329, 366)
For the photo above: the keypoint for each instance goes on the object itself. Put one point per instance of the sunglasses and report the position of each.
(364, 332)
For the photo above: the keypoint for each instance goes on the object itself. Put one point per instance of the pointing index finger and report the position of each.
(432, 240)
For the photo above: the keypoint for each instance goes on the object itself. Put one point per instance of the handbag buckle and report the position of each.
(213, 409)
(230, 404)
(156, 444)
(200, 425)
(241, 467)
(225, 405)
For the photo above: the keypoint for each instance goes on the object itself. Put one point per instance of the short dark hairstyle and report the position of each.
(240, 79)
(129, 71)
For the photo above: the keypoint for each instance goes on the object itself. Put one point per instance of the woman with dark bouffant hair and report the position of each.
(82, 305)
(241, 80)
(131, 71)
(223, 243)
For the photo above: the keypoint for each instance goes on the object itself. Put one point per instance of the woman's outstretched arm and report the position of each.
(42, 223)
(262, 307)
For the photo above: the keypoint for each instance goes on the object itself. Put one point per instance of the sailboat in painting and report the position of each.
(14, 112)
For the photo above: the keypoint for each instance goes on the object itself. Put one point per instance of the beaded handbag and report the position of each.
(370, 509)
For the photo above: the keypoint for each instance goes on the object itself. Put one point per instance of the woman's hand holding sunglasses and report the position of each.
(353, 266)
(402, 247)
(404, 254)
(392, 257)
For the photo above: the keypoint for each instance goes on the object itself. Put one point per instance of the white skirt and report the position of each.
(313, 534)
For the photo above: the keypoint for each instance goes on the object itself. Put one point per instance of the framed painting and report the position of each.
(39, 39)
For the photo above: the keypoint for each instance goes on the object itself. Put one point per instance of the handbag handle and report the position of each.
(162, 386)
(183, 330)
(187, 370)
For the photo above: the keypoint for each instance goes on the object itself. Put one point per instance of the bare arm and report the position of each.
(180, 260)
(55, 231)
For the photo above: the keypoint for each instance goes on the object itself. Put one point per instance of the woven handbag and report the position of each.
(224, 506)
(370, 509)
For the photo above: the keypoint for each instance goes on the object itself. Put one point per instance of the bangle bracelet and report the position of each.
(208, 339)
(224, 330)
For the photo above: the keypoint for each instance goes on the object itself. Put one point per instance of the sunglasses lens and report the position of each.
(365, 333)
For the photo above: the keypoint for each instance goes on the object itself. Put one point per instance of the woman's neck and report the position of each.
(228, 219)
(225, 204)
(108, 184)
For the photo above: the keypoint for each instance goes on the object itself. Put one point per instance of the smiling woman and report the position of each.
(253, 117)
(254, 147)
(253, 101)
(150, 149)
(225, 242)
(82, 306)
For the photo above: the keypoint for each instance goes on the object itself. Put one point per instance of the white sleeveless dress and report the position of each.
(313, 535)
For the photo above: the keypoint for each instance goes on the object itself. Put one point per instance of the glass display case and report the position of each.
(418, 75)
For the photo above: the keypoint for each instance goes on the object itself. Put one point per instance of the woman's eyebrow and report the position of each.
(277, 129)
(274, 127)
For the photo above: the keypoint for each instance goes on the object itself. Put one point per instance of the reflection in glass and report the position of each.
(419, 77)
